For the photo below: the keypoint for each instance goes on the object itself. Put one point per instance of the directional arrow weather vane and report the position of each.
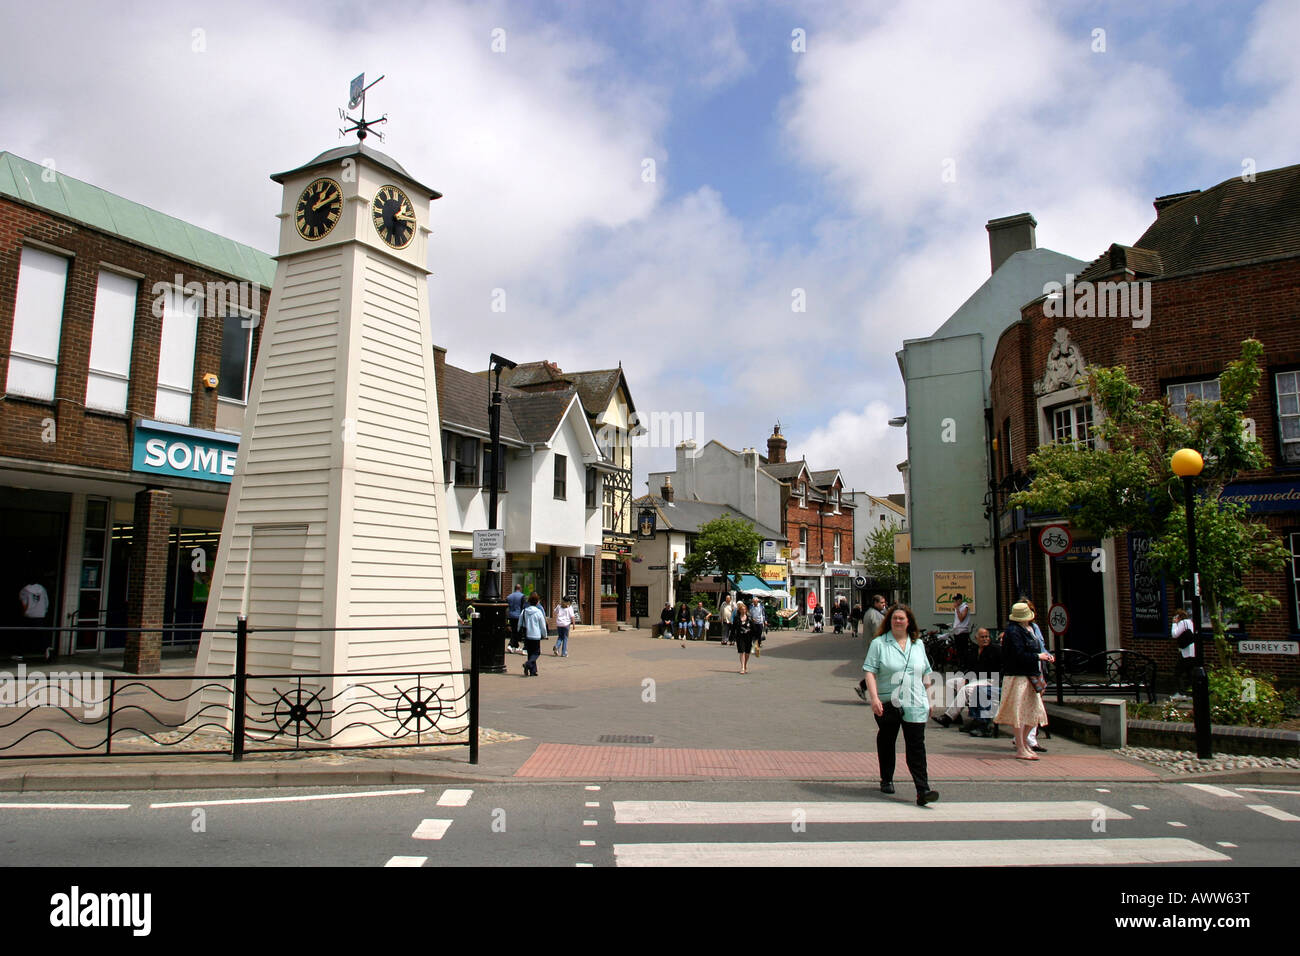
(357, 97)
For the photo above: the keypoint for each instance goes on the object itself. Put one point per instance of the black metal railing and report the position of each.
(98, 715)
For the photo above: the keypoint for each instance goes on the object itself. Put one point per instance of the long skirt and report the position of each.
(1021, 706)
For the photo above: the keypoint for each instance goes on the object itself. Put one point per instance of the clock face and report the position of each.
(319, 209)
(394, 217)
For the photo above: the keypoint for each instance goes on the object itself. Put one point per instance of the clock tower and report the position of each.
(336, 514)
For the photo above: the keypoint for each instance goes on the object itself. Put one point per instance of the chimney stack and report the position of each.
(1164, 202)
(1009, 235)
(666, 492)
(776, 446)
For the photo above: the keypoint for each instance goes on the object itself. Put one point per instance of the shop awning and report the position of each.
(748, 584)
(780, 593)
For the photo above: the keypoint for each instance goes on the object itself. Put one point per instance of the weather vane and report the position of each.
(357, 97)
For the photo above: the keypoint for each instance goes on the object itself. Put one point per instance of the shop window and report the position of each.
(110, 342)
(38, 324)
(180, 326)
(1288, 415)
(236, 357)
(1207, 391)
(1072, 425)
(561, 477)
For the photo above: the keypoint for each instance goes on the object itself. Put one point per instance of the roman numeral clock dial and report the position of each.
(319, 208)
(394, 217)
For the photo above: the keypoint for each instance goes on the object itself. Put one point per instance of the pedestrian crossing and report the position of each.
(1095, 844)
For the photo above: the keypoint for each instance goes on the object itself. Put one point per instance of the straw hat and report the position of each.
(1021, 613)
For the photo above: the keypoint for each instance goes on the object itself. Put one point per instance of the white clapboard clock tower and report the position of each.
(336, 517)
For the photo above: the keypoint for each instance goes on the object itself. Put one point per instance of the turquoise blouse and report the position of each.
(900, 675)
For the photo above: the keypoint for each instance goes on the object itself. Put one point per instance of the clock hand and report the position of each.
(324, 200)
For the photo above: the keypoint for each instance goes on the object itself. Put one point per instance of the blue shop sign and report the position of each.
(181, 452)
(1267, 496)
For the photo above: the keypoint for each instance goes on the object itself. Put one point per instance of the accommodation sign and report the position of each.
(180, 452)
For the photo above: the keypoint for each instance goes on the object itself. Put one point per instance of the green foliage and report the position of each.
(1129, 485)
(1239, 697)
(726, 545)
(878, 559)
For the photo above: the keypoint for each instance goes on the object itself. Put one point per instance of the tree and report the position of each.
(726, 546)
(878, 559)
(1128, 484)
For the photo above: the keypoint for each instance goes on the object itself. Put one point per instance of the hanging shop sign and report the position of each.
(646, 522)
(181, 452)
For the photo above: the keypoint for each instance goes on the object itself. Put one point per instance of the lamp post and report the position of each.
(490, 627)
(1187, 464)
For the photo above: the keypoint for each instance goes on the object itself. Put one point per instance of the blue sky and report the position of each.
(777, 173)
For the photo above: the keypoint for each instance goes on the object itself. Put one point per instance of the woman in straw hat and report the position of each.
(1022, 682)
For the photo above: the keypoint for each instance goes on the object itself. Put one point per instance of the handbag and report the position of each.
(1038, 682)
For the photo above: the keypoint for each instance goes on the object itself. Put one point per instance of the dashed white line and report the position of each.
(1102, 790)
(593, 788)
(455, 798)
(590, 823)
(592, 803)
(302, 799)
(586, 843)
(1230, 846)
(1175, 823)
(1217, 791)
(1290, 793)
(1138, 806)
(407, 861)
(1274, 812)
(431, 829)
(584, 864)
(65, 806)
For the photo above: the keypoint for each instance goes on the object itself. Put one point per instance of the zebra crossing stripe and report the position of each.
(455, 798)
(876, 811)
(1273, 812)
(1097, 851)
(431, 830)
(407, 861)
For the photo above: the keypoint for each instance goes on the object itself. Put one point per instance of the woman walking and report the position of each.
(1022, 681)
(896, 666)
(533, 622)
(743, 630)
(563, 621)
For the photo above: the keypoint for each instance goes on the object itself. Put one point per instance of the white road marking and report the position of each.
(590, 823)
(65, 806)
(593, 788)
(1291, 793)
(455, 798)
(1217, 791)
(1175, 823)
(584, 864)
(875, 811)
(1138, 806)
(1273, 812)
(1109, 852)
(407, 861)
(586, 843)
(431, 829)
(592, 803)
(315, 796)
(1231, 846)
(1102, 790)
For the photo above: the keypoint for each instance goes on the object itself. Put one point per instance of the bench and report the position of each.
(1118, 671)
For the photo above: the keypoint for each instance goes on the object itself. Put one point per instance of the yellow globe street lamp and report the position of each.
(1187, 463)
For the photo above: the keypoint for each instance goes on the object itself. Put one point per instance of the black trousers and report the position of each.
(914, 744)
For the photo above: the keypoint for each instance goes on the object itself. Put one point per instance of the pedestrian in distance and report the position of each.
(962, 626)
(1184, 635)
(683, 621)
(819, 616)
(515, 610)
(875, 626)
(700, 624)
(563, 621)
(1031, 738)
(744, 631)
(534, 625)
(855, 618)
(896, 667)
(1022, 681)
(666, 621)
(724, 616)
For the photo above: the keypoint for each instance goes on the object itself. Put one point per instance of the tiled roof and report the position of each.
(1234, 222)
(824, 479)
(784, 470)
(538, 414)
(689, 516)
(465, 398)
(596, 389)
(73, 199)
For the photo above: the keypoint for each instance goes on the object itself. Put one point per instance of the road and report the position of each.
(629, 823)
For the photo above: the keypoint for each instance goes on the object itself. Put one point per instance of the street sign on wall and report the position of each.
(1054, 539)
(488, 543)
(948, 584)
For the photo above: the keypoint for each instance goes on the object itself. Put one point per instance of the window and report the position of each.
(38, 323)
(607, 518)
(1006, 447)
(236, 356)
(448, 456)
(466, 461)
(803, 495)
(487, 467)
(1294, 540)
(1072, 425)
(803, 543)
(837, 547)
(1179, 394)
(1288, 414)
(180, 326)
(110, 342)
(561, 477)
(591, 489)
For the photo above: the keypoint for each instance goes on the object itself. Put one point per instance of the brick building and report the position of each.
(1214, 268)
(127, 343)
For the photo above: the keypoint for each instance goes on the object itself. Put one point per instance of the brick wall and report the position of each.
(147, 585)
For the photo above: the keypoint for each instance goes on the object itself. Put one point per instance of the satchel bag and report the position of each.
(1039, 682)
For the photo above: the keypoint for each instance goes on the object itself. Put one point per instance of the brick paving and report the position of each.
(574, 762)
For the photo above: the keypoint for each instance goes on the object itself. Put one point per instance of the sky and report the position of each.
(750, 206)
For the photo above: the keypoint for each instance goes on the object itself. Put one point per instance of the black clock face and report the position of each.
(319, 209)
(394, 217)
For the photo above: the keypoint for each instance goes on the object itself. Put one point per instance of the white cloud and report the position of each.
(861, 444)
